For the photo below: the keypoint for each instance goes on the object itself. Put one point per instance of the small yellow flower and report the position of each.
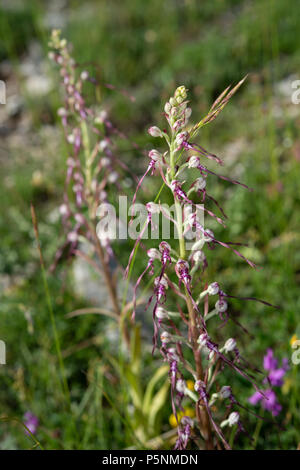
(293, 339)
(286, 386)
(190, 384)
(190, 412)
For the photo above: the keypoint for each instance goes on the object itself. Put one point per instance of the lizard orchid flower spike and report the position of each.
(187, 329)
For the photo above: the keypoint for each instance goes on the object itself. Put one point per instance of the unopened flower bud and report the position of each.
(200, 184)
(199, 385)
(153, 253)
(161, 313)
(153, 208)
(101, 117)
(163, 281)
(198, 256)
(154, 155)
(230, 345)
(194, 161)
(225, 392)
(105, 161)
(180, 138)
(174, 111)
(113, 177)
(103, 144)
(233, 418)
(172, 355)
(79, 218)
(164, 246)
(167, 108)
(84, 75)
(165, 337)
(71, 139)
(202, 340)
(72, 237)
(181, 386)
(182, 264)
(187, 421)
(154, 131)
(208, 235)
(181, 92)
(221, 306)
(213, 288)
(62, 112)
(63, 209)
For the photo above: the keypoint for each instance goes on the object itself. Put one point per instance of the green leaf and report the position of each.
(159, 374)
(157, 403)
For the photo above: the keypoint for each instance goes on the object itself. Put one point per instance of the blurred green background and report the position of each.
(147, 49)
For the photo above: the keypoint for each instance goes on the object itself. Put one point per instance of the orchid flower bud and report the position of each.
(213, 288)
(102, 117)
(161, 313)
(172, 355)
(180, 138)
(72, 237)
(199, 385)
(103, 144)
(181, 386)
(174, 111)
(198, 256)
(154, 131)
(181, 92)
(162, 281)
(200, 184)
(154, 155)
(84, 75)
(164, 246)
(187, 421)
(208, 235)
(63, 209)
(153, 208)
(225, 392)
(230, 345)
(221, 306)
(194, 161)
(167, 108)
(113, 177)
(71, 139)
(233, 418)
(202, 340)
(165, 337)
(153, 253)
(62, 112)
(105, 161)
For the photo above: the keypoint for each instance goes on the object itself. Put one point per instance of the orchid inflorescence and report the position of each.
(184, 329)
(94, 168)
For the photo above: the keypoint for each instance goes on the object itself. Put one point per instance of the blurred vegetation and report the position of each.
(148, 48)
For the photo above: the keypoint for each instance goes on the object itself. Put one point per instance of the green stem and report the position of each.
(257, 432)
(203, 418)
(232, 435)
